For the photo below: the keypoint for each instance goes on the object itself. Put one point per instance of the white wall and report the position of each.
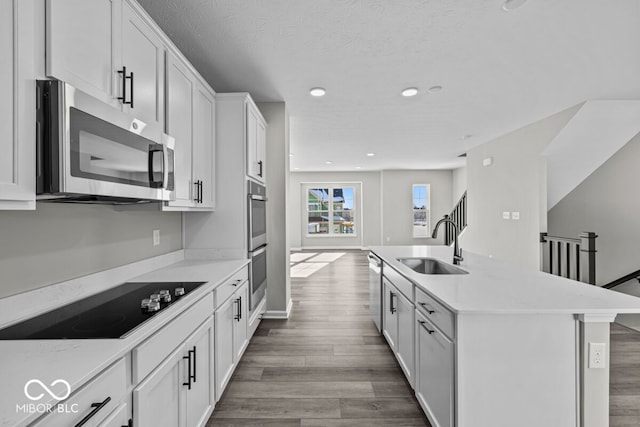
(516, 181)
(606, 203)
(59, 242)
(277, 176)
(386, 209)
(459, 183)
(397, 206)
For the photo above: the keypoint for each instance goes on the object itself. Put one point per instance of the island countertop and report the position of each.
(494, 286)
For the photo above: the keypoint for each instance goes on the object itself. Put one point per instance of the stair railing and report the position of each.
(623, 279)
(459, 216)
(571, 258)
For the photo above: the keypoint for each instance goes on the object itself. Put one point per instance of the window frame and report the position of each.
(427, 209)
(331, 211)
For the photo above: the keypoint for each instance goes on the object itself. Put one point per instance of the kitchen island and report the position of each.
(498, 345)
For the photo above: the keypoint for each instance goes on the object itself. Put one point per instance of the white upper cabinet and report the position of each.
(106, 49)
(204, 134)
(143, 57)
(256, 142)
(84, 45)
(180, 88)
(17, 105)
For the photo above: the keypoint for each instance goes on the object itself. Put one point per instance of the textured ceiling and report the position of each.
(499, 70)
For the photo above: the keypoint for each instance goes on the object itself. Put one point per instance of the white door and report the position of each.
(17, 105)
(83, 45)
(179, 125)
(390, 315)
(158, 401)
(241, 317)
(224, 351)
(435, 374)
(200, 397)
(204, 146)
(404, 347)
(143, 57)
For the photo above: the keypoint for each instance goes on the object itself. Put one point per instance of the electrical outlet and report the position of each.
(506, 215)
(156, 237)
(515, 215)
(597, 355)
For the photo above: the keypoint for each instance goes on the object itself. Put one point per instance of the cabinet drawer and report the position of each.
(400, 282)
(438, 314)
(154, 350)
(224, 291)
(110, 384)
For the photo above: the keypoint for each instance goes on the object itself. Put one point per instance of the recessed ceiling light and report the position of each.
(358, 167)
(317, 91)
(371, 154)
(328, 162)
(512, 4)
(410, 91)
(434, 89)
(290, 154)
(295, 169)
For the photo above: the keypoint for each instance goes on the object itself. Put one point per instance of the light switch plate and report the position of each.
(487, 162)
(156, 237)
(515, 215)
(506, 215)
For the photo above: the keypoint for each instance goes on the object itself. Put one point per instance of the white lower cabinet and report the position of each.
(231, 336)
(94, 401)
(434, 384)
(179, 392)
(118, 418)
(398, 327)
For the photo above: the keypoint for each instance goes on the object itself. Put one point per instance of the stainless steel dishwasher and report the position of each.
(375, 293)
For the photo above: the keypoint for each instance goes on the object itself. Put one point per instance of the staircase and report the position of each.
(459, 216)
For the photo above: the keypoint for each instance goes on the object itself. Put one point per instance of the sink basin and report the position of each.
(431, 266)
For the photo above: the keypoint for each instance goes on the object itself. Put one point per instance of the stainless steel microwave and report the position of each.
(88, 151)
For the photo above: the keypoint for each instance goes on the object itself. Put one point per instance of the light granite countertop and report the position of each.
(77, 361)
(493, 286)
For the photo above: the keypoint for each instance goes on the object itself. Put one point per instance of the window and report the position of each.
(330, 210)
(421, 210)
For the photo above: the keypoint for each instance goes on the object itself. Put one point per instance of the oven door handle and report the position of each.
(258, 251)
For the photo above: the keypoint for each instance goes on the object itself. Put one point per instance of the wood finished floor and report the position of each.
(325, 366)
(328, 366)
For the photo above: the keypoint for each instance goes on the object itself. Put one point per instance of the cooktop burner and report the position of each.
(109, 314)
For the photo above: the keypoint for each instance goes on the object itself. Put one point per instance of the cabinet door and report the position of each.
(390, 315)
(203, 146)
(200, 398)
(83, 45)
(118, 418)
(434, 373)
(224, 351)
(180, 83)
(241, 318)
(405, 337)
(158, 400)
(17, 105)
(143, 57)
(262, 151)
(252, 142)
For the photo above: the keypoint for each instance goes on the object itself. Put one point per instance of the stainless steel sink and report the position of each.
(430, 266)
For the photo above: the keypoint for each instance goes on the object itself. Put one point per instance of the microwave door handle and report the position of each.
(165, 166)
(152, 182)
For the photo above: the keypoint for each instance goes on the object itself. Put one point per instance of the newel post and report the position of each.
(588, 257)
(544, 253)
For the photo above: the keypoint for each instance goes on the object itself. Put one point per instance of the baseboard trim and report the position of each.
(279, 314)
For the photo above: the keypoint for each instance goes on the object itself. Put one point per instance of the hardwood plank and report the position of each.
(288, 350)
(380, 408)
(302, 389)
(277, 408)
(356, 361)
(258, 361)
(398, 388)
(331, 374)
(355, 332)
(307, 340)
(248, 422)
(365, 422)
(365, 349)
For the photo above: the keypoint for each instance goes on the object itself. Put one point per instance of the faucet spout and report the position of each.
(457, 253)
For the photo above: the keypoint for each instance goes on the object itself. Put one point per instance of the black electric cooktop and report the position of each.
(108, 314)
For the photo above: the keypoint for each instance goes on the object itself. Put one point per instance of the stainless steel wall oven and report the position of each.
(257, 234)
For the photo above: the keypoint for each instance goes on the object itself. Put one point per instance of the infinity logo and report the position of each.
(52, 394)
